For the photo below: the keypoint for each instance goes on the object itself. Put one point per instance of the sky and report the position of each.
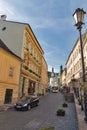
(52, 23)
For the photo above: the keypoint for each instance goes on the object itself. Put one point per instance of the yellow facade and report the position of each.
(44, 77)
(9, 76)
(63, 77)
(31, 68)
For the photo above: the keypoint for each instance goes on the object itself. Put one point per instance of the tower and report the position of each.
(52, 73)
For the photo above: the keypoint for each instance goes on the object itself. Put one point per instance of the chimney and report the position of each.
(3, 17)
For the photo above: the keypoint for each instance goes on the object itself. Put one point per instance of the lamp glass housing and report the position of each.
(79, 15)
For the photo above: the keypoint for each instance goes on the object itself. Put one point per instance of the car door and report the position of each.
(34, 101)
(31, 102)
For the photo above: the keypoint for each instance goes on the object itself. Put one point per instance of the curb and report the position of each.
(5, 108)
(80, 116)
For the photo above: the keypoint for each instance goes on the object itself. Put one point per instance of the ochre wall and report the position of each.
(44, 76)
(8, 60)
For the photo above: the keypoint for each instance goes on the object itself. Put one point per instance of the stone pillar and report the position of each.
(42, 89)
(20, 86)
(37, 88)
(28, 86)
(26, 83)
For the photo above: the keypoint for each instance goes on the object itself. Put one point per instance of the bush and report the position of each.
(48, 128)
(60, 112)
(65, 104)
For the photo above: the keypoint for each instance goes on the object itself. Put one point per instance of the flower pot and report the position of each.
(48, 128)
(60, 112)
(65, 105)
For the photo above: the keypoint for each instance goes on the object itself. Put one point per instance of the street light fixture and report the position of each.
(79, 21)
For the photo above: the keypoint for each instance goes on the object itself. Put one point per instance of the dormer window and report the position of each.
(4, 28)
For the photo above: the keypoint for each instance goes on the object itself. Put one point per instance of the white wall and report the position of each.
(12, 36)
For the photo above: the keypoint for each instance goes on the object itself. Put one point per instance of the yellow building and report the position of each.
(9, 75)
(44, 77)
(20, 38)
(32, 65)
(63, 77)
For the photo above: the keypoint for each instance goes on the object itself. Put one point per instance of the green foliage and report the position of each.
(48, 128)
(60, 112)
(65, 104)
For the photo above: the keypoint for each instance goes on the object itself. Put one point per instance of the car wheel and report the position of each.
(28, 107)
(36, 104)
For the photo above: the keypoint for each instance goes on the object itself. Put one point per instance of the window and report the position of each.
(4, 28)
(31, 50)
(86, 48)
(79, 49)
(11, 71)
(26, 58)
(27, 47)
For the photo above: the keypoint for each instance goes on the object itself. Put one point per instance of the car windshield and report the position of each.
(55, 88)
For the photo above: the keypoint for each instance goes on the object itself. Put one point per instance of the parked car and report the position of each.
(27, 103)
(55, 89)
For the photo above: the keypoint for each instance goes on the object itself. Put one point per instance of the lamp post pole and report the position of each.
(82, 57)
(79, 17)
(83, 65)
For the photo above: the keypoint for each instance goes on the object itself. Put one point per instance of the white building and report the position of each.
(54, 79)
(74, 63)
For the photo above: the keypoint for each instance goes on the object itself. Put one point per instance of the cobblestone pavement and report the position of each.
(41, 116)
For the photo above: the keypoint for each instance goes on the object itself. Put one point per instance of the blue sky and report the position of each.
(51, 22)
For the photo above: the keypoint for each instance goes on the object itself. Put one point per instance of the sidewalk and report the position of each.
(80, 115)
(5, 107)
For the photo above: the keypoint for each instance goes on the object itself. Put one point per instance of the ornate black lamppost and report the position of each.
(79, 20)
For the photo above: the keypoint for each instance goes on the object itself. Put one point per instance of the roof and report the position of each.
(30, 29)
(3, 46)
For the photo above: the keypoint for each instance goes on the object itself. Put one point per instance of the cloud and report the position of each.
(12, 12)
(57, 24)
(51, 20)
(29, 13)
(56, 69)
(7, 8)
(42, 21)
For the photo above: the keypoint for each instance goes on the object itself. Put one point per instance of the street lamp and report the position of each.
(79, 21)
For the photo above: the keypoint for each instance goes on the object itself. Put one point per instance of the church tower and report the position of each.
(52, 73)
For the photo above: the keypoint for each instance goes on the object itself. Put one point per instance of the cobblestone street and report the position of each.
(41, 116)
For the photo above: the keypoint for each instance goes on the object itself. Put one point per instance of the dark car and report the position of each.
(27, 103)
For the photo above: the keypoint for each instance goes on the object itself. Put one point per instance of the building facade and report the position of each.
(74, 64)
(63, 77)
(54, 79)
(44, 77)
(9, 75)
(20, 38)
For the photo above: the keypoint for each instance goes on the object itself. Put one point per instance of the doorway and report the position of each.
(8, 96)
(31, 88)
